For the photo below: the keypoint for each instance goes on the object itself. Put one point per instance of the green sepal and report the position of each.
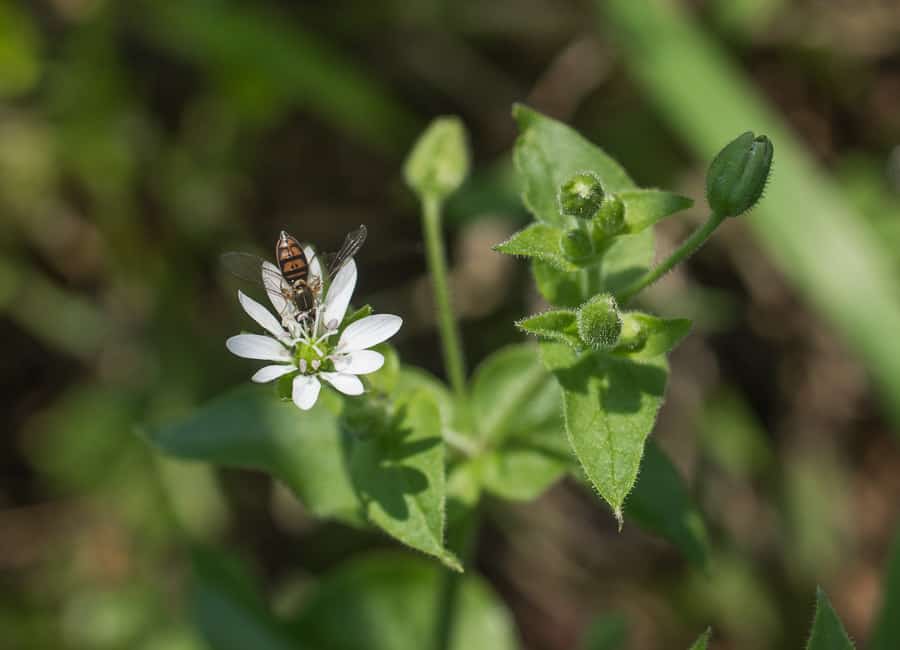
(827, 630)
(702, 641)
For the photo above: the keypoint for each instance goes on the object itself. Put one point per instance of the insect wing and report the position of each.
(352, 243)
(257, 271)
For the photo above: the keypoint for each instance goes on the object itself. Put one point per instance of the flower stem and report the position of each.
(690, 246)
(437, 266)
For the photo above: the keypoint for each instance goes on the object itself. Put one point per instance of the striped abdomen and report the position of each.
(291, 259)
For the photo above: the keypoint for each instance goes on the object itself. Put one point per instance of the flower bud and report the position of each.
(610, 218)
(439, 160)
(576, 245)
(599, 322)
(633, 336)
(581, 195)
(738, 174)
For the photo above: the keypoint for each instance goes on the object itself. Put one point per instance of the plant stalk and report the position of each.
(687, 248)
(437, 267)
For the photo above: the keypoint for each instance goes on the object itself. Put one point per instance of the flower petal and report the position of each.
(256, 346)
(360, 362)
(305, 391)
(315, 268)
(347, 384)
(263, 317)
(368, 331)
(273, 281)
(339, 293)
(268, 373)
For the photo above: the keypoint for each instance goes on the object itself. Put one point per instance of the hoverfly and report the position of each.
(300, 291)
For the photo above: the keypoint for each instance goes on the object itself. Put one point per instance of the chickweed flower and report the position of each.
(318, 347)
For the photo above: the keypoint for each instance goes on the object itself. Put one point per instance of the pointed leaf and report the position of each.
(399, 476)
(541, 242)
(548, 153)
(516, 409)
(389, 601)
(610, 407)
(250, 427)
(887, 628)
(559, 325)
(827, 631)
(645, 207)
(703, 641)
(656, 335)
(660, 503)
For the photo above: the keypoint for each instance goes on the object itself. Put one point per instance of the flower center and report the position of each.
(313, 356)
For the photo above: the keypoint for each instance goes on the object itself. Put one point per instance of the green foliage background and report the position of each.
(138, 140)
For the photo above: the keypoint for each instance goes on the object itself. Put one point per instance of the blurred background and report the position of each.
(140, 139)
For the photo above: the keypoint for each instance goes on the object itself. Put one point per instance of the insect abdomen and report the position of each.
(291, 258)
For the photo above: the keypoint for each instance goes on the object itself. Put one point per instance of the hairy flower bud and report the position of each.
(610, 218)
(576, 245)
(599, 322)
(738, 174)
(581, 195)
(439, 160)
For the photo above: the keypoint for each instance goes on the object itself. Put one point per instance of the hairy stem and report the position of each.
(437, 266)
(690, 246)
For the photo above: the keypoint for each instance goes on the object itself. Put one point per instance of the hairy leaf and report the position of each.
(645, 207)
(703, 641)
(250, 427)
(392, 602)
(559, 325)
(399, 476)
(610, 407)
(539, 241)
(827, 631)
(660, 503)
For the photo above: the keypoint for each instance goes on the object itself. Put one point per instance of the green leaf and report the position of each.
(516, 409)
(627, 259)
(887, 627)
(547, 154)
(250, 427)
(827, 631)
(384, 380)
(227, 609)
(645, 336)
(391, 602)
(660, 503)
(702, 642)
(539, 241)
(399, 476)
(558, 287)
(610, 406)
(559, 325)
(645, 207)
(606, 633)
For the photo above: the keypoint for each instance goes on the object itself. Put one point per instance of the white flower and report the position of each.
(304, 346)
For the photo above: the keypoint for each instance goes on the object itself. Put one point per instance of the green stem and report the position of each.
(437, 266)
(690, 245)
(465, 542)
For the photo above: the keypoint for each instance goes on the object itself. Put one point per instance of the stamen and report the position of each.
(302, 366)
(315, 364)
